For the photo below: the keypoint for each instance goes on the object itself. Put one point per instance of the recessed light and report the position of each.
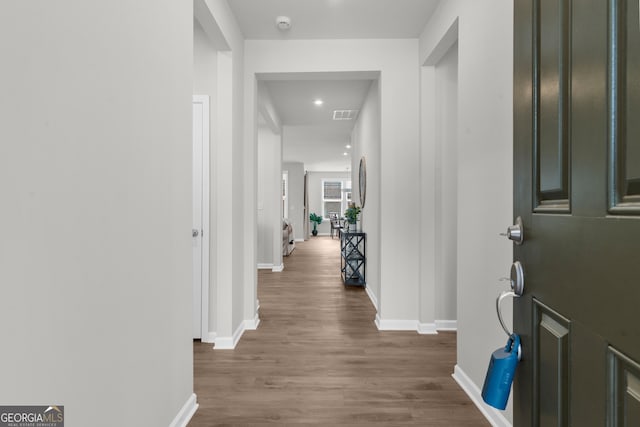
(346, 154)
(347, 146)
(318, 102)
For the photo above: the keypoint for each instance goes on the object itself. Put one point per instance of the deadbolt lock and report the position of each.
(515, 232)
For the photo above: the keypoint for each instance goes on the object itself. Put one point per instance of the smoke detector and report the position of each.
(283, 23)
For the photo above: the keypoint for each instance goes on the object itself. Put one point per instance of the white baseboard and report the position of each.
(209, 338)
(265, 266)
(223, 343)
(184, 416)
(372, 297)
(406, 325)
(277, 268)
(427, 329)
(252, 325)
(299, 240)
(229, 343)
(446, 325)
(396, 325)
(494, 416)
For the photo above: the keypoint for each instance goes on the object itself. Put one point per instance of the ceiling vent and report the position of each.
(344, 114)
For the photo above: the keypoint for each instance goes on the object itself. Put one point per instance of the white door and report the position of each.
(200, 229)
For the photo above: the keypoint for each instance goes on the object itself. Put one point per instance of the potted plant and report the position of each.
(316, 220)
(351, 214)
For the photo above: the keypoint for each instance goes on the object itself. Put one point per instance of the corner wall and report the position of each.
(234, 246)
(269, 213)
(484, 31)
(365, 142)
(446, 203)
(95, 173)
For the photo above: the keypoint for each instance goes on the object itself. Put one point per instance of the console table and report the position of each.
(353, 257)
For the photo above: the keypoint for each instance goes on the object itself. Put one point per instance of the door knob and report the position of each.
(517, 278)
(515, 232)
(517, 289)
(194, 232)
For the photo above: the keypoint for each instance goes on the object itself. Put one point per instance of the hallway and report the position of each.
(318, 358)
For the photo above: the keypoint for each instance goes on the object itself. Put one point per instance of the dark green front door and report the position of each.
(577, 189)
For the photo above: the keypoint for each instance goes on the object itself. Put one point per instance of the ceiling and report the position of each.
(333, 19)
(295, 100)
(312, 137)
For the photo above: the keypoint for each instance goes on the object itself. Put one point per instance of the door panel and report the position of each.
(576, 167)
(631, 34)
(624, 407)
(551, 357)
(625, 107)
(552, 92)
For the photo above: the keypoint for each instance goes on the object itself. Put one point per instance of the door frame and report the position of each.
(205, 234)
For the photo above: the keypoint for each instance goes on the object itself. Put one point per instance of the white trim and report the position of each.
(229, 343)
(446, 325)
(372, 297)
(252, 324)
(277, 268)
(298, 240)
(238, 334)
(494, 416)
(427, 329)
(210, 338)
(265, 266)
(377, 321)
(285, 197)
(396, 325)
(223, 343)
(186, 412)
(405, 325)
(205, 240)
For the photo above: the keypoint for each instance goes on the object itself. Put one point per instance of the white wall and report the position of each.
(315, 196)
(396, 60)
(269, 212)
(233, 223)
(484, 33)
(95, 175)
(296, 197)
(365, 141)
(269, 180)
(446, 190)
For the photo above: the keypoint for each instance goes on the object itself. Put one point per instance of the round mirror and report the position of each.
(362, 180)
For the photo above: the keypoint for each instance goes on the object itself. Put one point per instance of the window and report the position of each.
(285, 194)
(336, 194)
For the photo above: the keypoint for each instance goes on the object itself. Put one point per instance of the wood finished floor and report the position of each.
(318, 358)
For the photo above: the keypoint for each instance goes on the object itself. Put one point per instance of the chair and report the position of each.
(336, 227)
